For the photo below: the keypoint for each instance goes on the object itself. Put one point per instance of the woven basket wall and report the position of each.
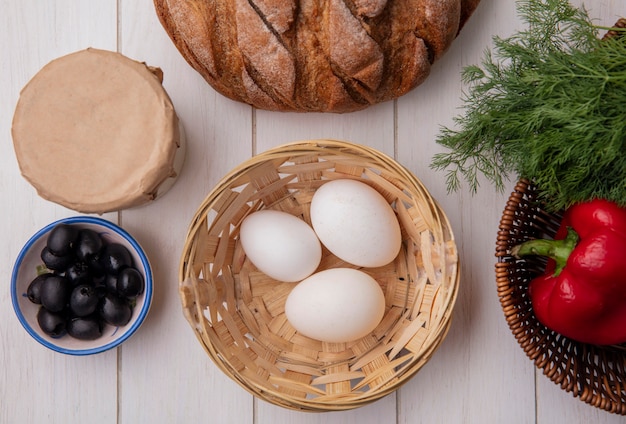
(237, 312)
(595, 374)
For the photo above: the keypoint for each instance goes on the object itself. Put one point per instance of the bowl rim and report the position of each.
(148, 291)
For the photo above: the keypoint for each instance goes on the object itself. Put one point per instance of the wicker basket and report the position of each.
(595, 374)
(237, 312)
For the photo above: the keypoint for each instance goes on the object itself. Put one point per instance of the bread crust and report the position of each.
(313, 55)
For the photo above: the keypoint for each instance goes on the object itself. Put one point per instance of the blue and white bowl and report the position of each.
(28, 264)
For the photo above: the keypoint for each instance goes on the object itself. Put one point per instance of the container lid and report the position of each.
(96, 132)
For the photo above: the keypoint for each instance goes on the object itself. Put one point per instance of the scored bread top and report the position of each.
(313, 55)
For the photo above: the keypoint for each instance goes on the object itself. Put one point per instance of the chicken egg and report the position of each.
(355, 223)
(280, 245)
(336, 305)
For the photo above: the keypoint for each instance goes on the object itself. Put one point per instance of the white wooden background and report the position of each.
(162, 375)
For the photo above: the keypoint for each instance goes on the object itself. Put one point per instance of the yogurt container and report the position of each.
(95, 131)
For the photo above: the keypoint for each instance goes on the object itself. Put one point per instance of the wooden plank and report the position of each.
(479, 372)
(165, 375)
(373, 127)
(380, 412)
(37, 384)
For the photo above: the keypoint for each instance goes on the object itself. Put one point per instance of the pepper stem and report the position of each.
(558, 250)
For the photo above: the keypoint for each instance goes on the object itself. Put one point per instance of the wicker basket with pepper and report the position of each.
(594, 373)
(548, 108)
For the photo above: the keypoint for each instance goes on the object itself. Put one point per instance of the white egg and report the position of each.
(280, 245)
(355, 223)
(336, 305)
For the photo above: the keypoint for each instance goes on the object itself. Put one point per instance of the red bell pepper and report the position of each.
(582, 294)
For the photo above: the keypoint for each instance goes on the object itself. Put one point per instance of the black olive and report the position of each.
(51, 323)
(115, 257)
(115, 310)
(55, 293)
(100, 289)
(61, 239)
(79, 273)
(84, 300)
(89, 244)
(130, 282)
(34, 288)
(54, 262)
(95, 266)
(110, 282)
(84, 328)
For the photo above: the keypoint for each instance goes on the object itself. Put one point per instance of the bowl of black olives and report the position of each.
(81, 285)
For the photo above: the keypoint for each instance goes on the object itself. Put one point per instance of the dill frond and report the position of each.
(547, 104)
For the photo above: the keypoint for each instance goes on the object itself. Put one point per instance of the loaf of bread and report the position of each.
(313, 55)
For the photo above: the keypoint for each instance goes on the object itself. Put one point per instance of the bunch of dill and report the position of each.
(548, 104)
